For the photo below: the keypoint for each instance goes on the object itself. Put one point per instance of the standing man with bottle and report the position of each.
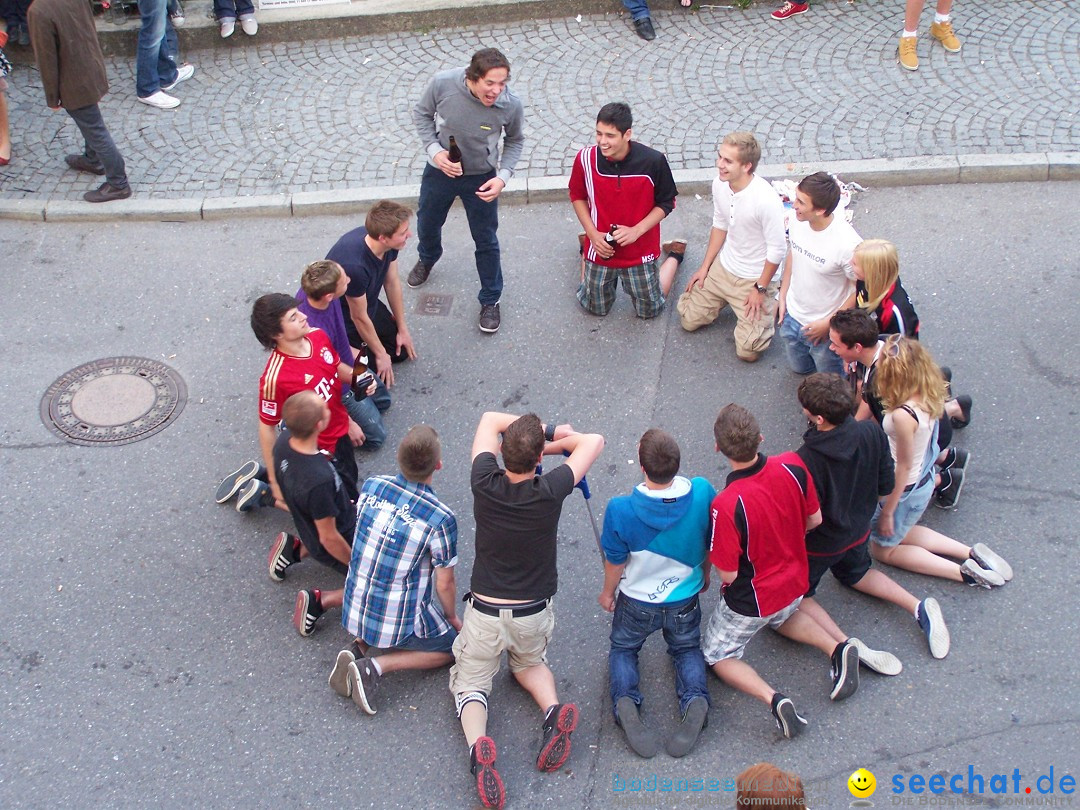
(474, 105)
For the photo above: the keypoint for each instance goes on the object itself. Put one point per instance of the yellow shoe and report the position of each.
(943, 33)
(908, 58)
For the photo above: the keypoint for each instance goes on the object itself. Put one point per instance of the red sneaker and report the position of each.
(790, 9)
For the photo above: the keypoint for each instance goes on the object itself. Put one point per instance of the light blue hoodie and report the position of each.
(663, 537)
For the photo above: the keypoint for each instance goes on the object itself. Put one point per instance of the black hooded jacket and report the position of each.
(852, 468)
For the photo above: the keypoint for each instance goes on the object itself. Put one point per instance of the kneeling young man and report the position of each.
(514, 578)
(656, 553)
(771, 498)
(404, 535)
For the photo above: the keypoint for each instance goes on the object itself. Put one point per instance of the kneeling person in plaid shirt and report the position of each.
(404, 534)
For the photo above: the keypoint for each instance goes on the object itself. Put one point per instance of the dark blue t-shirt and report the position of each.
(366, 272)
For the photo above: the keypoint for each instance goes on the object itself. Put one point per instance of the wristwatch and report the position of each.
(549, 432)
(760, 289)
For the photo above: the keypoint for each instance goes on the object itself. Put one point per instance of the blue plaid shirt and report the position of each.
(402, 532)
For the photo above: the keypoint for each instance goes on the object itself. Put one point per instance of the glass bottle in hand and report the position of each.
(454, 152)
(362, 375)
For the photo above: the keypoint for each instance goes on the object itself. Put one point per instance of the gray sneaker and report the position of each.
(933, 626)
(694, 719)
(881, 662)
(489, 318)
(339, 676)
(363, 682)
(641, 738)
(981, 576)
(982, 554)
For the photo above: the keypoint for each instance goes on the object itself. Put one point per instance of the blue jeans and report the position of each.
(437, 194)
(367, 413)
(155, 59)
(803, 355)
(634, 622)
(639, 9)
(231, 9)
(99, 146)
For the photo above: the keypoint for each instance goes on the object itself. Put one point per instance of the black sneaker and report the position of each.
(232, 482)
(933, 626)
(284, 551)
(363, 682)
(419, 274)
(787, 719)
(253, 494)
(339, 675)
(694, 719)
(844, 669)
(975, 574)
(489, 785)
(641, 738)
(560, 722)
(987, 559)
(948, 491)
(489, 318)
(307, 611)
(962, 421)
(955, 458)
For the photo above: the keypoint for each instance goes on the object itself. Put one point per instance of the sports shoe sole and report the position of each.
(881, 662)
(938, 637)
(233, 481)
(356, 687)
(489, 785)
(339, 675)
(641, 738)
(300, 612)
(983, 577)
(959, 423)
(281, 542)
(553, 755)
(688, 731)
(789, 721)
(847, 679)
(182, 75)
(986, 558)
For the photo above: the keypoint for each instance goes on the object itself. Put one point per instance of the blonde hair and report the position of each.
(748, 146)
(905, 370)
(880, 265)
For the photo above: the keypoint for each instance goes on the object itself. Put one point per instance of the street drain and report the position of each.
(116, 400)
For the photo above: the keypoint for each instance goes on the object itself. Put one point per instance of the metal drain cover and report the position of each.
(116, 400)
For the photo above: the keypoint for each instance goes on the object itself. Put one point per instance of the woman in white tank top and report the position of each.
(912, 391)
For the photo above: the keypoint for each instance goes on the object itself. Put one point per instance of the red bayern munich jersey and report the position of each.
(759, 531)
(286, 375)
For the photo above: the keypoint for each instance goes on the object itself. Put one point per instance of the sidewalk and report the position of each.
(316, 113)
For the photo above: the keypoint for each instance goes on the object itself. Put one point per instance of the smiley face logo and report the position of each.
(862, 784)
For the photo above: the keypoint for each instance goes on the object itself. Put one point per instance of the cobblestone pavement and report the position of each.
(332, 114)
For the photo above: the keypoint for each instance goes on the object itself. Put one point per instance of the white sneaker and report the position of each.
(163, 101)
(183, 73)
(884, 663)
(227, 28)
(249, 26)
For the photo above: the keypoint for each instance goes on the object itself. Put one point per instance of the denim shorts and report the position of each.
(908, 511)
(440, 644)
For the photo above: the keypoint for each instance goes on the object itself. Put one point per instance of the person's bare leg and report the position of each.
(918, 559)
(412, 659)
(812, 608)
(668, 270)
(332, 599)
(877, 584)
(740, 675)
(539, 682)
(801, 627)
(474, 721)
(912, 10)
(944, 7)
(5, 132)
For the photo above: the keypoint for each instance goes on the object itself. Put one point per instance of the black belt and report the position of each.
(517, 611)
(922, 481)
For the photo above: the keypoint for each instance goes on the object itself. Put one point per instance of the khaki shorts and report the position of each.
(701, 306)
(480, 644)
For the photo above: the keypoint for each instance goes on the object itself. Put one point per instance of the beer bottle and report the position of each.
(609, 237)
(454, 155)
(362, 376)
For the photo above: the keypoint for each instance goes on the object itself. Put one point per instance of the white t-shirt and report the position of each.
(754, 221)
(821, 273)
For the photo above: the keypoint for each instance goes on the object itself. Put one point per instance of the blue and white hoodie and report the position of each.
(663, 537)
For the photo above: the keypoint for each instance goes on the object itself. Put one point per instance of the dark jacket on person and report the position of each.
(852, 468)
(68, 55)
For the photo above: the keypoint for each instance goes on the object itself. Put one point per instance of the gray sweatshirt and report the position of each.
(448, 108)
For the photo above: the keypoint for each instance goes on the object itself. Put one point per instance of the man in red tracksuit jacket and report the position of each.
(620, 191)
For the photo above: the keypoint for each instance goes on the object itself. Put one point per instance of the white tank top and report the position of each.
(918, 443)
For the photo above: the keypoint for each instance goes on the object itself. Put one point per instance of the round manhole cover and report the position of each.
(117, 400)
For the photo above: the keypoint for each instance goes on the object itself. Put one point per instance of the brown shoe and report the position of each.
(419, 274)
(107, 193)
(676, 248)
(81, 163)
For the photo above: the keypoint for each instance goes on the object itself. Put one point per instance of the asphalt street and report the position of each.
(147, 660)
